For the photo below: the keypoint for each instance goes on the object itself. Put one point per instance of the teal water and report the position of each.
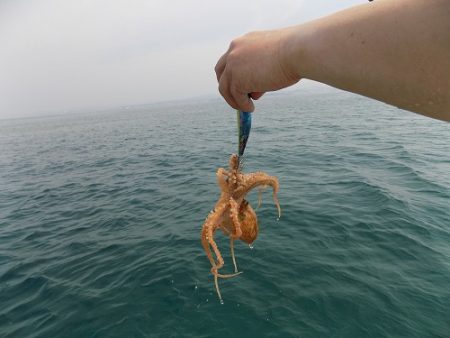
(100, 216)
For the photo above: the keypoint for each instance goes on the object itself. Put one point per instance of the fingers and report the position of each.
(220, 66)
(224, 90)
(235, 98)
(243, 100)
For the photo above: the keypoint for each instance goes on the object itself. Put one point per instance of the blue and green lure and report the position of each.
(244, 121)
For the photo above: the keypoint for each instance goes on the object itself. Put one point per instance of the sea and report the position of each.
(101, 213)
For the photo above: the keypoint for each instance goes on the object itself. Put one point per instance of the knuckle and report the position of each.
(234, 90)
(221, 89)
(233, 59)
(252, 34)
(235, 43)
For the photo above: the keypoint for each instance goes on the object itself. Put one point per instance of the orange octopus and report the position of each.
(233, 214)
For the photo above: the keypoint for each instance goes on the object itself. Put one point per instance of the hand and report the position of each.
(256, 63)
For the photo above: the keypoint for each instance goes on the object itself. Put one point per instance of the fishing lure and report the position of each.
(244, 121)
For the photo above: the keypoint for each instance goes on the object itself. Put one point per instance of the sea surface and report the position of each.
(101, 212)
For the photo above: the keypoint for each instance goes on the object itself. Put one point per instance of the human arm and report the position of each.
(397, 52)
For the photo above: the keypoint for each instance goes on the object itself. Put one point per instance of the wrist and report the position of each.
(297, 51)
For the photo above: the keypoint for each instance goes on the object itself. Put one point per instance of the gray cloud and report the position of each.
(61, 55)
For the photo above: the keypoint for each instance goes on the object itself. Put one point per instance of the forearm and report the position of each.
(393, 51)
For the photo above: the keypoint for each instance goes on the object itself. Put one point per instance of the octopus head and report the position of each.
(249, 223)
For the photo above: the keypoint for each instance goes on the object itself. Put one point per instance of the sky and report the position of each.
(58, 56)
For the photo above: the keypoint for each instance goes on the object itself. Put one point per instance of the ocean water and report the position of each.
(100, 218)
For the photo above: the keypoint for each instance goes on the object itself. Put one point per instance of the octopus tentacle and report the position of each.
(232, 254)
(222, 176)
(257, 179)
(235, 175)
(277, 203)
(216, 267)
(260, 193)
(207, 236)
(234, 210)
(231, 275)
(210, 225)
(260, 179)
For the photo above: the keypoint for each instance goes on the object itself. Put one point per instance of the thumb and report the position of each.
(243, 101)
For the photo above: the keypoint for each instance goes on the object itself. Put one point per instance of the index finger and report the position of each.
(220, 66)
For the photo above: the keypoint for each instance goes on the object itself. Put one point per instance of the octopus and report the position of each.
(233, 214)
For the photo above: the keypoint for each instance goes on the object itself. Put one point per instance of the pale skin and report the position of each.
(395, 51)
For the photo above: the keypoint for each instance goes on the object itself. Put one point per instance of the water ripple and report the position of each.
(100, 218)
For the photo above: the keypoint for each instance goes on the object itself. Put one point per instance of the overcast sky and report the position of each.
(60, 55)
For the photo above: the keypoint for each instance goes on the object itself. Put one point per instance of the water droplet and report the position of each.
(278, 218)
(196, 287)
(221, 301)
(250, 246)
(171, 282)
